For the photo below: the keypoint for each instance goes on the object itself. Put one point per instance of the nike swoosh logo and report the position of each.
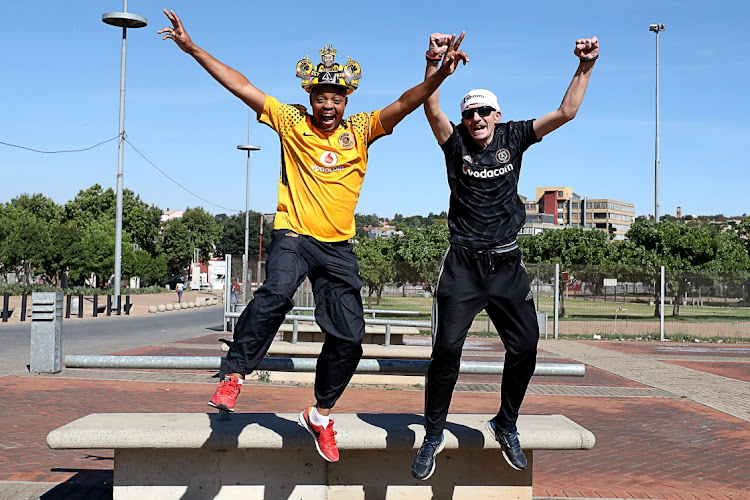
(307, 135)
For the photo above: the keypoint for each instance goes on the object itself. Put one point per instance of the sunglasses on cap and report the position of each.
(483, 111)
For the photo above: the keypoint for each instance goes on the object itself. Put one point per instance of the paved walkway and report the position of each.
(727, 395)
(672, 421)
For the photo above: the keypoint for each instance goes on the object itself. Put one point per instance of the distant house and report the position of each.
(171, 214)
(380, 233)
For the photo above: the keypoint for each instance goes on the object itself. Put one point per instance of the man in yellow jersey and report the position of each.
(324, 159)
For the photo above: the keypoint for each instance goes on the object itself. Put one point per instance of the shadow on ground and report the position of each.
(86, 484)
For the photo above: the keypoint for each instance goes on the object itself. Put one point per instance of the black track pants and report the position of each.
(469, 281)
(334, 273)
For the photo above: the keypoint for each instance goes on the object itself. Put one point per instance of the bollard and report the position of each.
(117, 305)
(6, 304)
(109, 305)
(96, 305)
(23, 306)
(127, 305)
(80, 305)
(46, 332)
(68, 298)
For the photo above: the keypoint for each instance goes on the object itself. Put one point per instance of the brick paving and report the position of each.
(666, 429)
(728, 395)
(679, 349)
(725, 369)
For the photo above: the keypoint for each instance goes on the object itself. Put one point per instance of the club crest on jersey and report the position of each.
(502, 156)
(329, 158)
(346, 140)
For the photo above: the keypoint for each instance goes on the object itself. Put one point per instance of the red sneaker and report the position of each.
(226, 394)
(325, 441)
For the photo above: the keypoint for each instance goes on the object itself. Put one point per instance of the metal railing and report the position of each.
(296, 318)
(390, 366)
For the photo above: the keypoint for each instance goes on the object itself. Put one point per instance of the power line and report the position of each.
(136, 150)
(177, 183)
(61, 151)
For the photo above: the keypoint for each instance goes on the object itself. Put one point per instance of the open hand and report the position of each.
(452, 55)
(176, 32)
(586, 48)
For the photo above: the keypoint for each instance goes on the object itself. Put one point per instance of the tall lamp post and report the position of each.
(260, 246)
(247, 147)
(122, 20)
(656, 28)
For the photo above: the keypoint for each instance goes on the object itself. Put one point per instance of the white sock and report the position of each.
(317, 418)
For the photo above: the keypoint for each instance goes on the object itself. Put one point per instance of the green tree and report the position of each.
(25, 242)
(375, 256)
(231, 239)
(684, 248)
(743, 232)
(572, 246)
(176, 247)
(420, 252)
(28, 224)
(63, 238)
(139, 219)
(202, 231)
(90, 205)
(93, 256)
(38, 205)
(140, 263)
(361, 220)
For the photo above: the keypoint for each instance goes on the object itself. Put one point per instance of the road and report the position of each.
(107, 335)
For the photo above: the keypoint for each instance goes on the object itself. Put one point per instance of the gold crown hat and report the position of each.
(329, 72)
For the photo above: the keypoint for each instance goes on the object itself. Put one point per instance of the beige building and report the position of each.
(561, 207)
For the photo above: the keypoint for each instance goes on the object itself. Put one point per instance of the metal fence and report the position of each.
(612, 302)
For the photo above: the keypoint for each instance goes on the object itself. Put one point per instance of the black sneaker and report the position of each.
(508, 439)
(424, 463)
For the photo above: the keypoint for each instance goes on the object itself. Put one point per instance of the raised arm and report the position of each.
(439, 122)
(231, 79)
(415, 96)
(587, 50)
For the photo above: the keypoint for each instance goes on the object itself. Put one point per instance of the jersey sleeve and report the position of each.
(367, 126)
(523, 135)
(452, 145)
(281, 117)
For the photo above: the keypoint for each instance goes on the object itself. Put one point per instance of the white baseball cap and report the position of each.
(479, 96)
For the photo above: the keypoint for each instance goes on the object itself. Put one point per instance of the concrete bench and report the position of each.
(254, 456)
(374, 334)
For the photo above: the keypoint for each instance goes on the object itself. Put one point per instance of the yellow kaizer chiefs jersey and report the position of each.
(321, 173)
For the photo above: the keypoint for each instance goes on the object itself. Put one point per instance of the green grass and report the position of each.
(655, 338)
(578, 309)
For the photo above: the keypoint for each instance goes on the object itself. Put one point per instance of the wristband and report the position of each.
(432, 58)
(590, 59)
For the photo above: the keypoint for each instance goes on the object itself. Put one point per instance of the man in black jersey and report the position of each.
(482, 268)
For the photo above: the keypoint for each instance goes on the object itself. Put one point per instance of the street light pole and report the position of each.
(260, 246)
(122, 20)
(247, 147)
(656, 28)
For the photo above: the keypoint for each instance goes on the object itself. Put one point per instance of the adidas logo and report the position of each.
(529, 296)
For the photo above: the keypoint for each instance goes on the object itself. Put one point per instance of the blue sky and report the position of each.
(61, 77)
